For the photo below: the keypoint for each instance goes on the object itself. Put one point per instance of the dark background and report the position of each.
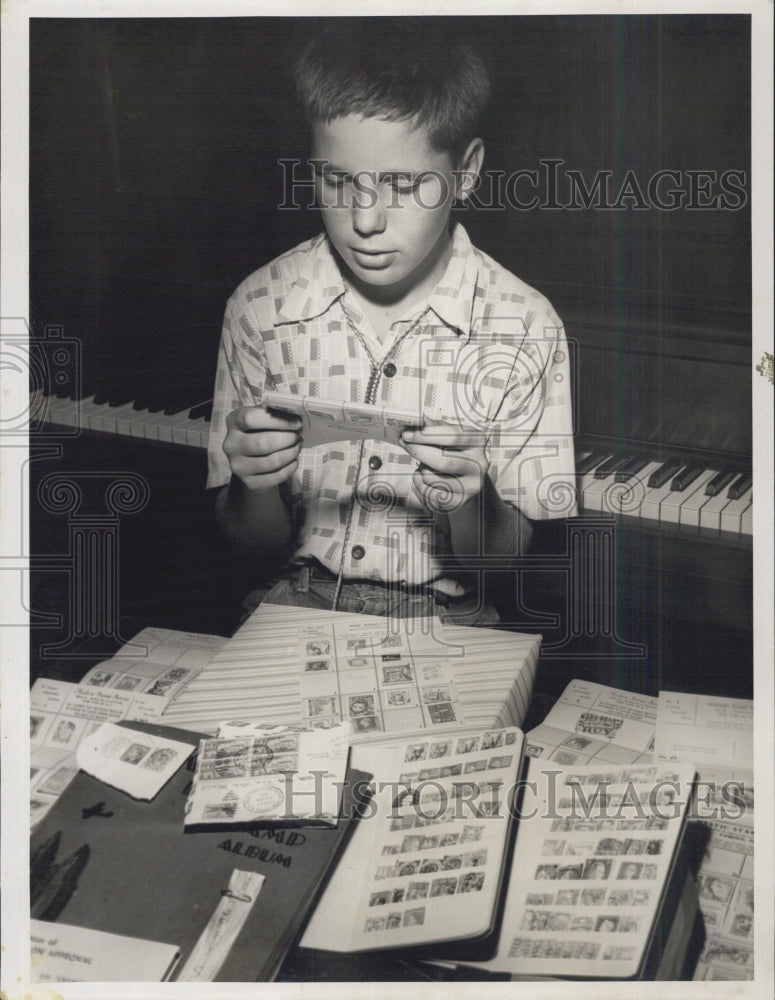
(155, 184)
(154, 190)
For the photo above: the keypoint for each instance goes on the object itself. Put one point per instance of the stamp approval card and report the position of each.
(254, 773)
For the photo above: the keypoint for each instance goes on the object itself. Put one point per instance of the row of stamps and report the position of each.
(362, 709)
(160, 686)
(568, 825)
(144, 757)
(416, 820)
(469, 834)
(451, 770)
(607, 845)
(409, 918)
(389, 668)
(582, 950)
(597, 869)
(463, 745)
(590, 897)
(250, 765)
(231, 746)
(423, 866)
(727, 954)
(414, 843)
(445, 886)
(606, 923)
(322, 646)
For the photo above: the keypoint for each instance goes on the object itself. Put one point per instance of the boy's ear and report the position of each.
(468, 170)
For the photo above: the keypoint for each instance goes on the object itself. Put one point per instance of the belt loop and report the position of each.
(303, 584)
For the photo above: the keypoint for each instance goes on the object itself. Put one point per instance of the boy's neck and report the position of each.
(384, 305)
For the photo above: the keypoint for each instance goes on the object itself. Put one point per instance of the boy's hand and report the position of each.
(262, 447)
(453, 464)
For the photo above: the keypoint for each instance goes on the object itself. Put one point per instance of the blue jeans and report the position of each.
(315, 587)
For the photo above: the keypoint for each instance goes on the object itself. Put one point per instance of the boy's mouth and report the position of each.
(372, 258)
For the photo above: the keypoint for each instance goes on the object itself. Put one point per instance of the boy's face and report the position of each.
(385, 195)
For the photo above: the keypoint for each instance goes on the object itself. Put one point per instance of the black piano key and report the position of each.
(611, 465)
(660, 476)
(722, 478)
(202, 410)
(741, 485)
(632, 468)
(115, 398)
(588, 464)
(147, 404)
(686, 477)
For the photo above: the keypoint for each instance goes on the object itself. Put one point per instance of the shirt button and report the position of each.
(389, 370)
(375, 463)
(358, 552)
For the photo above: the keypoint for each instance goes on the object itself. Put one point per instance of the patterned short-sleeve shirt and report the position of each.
(483, 349)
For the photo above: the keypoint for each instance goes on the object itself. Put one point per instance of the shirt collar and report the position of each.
(320, 284)
(453, 297)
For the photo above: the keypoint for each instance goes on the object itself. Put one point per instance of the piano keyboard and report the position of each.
(188, 427)
(684, 496)
(688, 497)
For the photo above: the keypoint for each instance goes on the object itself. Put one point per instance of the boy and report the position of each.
(392, 306)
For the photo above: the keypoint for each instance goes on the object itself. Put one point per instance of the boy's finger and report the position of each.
(446, 437)
(255, 418)
(270, 443)
(450, 463)
(247, 466)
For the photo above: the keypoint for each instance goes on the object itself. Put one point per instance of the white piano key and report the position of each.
(98, 417)
(652, 503)
(158, 428)
(587, 482)
(636, 490)
(690, 510)
(710, 514)
(58, 411)
(80, 411)
(670, 508)
(180, 430)
(107, 419)
(746, 522)
(144, 424)
(197, 432)
(169, 423)
(732, 516)
(607, 495)
(591, 490)
(87, 411)
(124, 416)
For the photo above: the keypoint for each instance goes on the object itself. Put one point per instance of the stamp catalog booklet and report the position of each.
(426, 862)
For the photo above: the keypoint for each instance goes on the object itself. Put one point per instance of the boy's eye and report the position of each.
(404, 184)
(333, 180)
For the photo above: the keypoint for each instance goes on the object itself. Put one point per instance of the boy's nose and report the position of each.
(368, 213)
